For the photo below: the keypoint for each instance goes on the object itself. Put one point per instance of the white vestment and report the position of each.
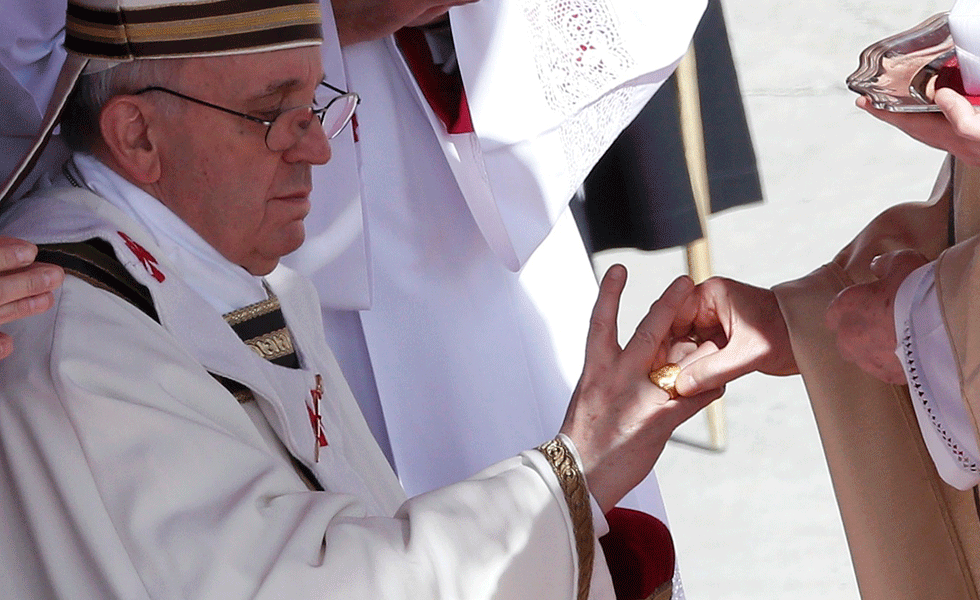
(127, 471)
(479, 288)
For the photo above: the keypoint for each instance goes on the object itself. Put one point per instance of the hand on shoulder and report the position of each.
(25, 286)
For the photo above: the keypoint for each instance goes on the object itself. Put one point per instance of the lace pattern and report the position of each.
(587, 135)
(579, 53)
(578, 49)
(964, 461)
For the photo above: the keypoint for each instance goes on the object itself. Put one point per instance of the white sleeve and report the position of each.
(931, 371)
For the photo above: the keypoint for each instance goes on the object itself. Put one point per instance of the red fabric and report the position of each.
(639, 551)
(443, 91)
(949, 77)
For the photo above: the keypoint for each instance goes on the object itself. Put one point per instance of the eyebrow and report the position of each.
(278, 86)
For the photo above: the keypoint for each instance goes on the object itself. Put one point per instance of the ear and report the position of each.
(125, 123)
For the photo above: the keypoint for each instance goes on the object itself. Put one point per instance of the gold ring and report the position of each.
(665, 377)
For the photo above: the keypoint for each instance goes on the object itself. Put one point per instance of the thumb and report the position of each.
(897, 261)
(709, 368)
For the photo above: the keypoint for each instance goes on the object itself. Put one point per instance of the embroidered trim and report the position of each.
(951, 443)
(252, 310)
(579, 507)
(272, 345)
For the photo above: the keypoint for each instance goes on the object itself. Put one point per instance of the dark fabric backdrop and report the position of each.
(639, 194)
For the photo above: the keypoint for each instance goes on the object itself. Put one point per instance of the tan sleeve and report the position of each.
(905, 527)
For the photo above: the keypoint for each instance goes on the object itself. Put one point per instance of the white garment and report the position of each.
(127, 471)
(930, 369)
(481, 287)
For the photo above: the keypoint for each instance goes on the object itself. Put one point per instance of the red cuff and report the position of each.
(640, 554)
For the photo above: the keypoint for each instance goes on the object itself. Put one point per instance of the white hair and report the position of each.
(80, 119)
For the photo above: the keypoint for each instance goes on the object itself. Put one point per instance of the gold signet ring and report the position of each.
(664, 378)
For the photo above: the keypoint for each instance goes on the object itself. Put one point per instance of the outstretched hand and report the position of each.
(25, 286)
(956, 129)
(618, 420)
(739, 329)
(863, 317)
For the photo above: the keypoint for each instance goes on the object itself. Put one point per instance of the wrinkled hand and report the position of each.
(956, 130)
(25, 288)
(618, 420)
(740, 329)
(863, 317)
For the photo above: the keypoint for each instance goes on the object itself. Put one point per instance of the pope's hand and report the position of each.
(25, 286)
(863, 317)
(956, 130)
(740, 330)
(618, 420)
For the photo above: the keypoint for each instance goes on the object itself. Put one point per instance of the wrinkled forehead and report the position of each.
(247, 76)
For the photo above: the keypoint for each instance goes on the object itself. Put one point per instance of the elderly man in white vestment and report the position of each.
(176, 427)
(454, 285)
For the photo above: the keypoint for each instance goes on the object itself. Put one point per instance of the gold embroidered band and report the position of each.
(263, 328)
(115, 31)
(572, 483)
(272, 345)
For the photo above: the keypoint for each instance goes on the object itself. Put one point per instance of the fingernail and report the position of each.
(24, 254)
(684, 384)
(50, 278)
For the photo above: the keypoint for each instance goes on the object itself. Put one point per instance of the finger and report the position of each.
(6, 345)
(713, 370)
(39, 278)
(959, 112)
(15, 253)
(603, 330)
(704, 349)
(679, 350)
(653, 329)
(899, 262)
(26, 307)
(687, 312)
(681, 409)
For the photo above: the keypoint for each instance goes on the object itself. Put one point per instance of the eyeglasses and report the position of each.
(332, 106)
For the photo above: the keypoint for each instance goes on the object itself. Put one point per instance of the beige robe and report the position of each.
(911, 535)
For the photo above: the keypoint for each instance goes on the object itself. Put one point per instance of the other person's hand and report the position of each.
(25, 286)
(956, 129)
(863, 316)
(740, 329)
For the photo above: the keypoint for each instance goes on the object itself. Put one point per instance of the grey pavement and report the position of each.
(759, 519)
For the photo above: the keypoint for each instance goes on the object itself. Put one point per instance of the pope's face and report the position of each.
(363, 20)
(218, 175)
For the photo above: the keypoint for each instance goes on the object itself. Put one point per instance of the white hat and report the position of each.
(102, 33)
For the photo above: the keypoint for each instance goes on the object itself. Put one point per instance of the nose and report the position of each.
(312, 147)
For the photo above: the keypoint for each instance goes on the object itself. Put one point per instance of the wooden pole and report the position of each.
(698, 252)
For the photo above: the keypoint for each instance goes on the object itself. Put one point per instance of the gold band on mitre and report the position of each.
(126, 30)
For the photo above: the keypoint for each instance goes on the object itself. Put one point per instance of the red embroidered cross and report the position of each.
(316, 420)
(149, 263)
